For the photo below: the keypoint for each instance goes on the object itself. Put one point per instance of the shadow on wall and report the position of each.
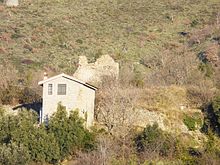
(34, 106)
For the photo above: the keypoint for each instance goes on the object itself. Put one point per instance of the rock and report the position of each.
(83, 61)
(11, 3)
(147, 117)
(95, 72)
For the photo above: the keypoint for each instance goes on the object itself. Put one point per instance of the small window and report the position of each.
(50, 89)
(61, 89)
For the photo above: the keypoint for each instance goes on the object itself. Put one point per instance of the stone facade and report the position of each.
(95, 72)
(11, 3)
(79, 96)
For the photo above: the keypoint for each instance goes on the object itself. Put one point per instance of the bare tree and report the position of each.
(115, 107)
(103, 154)
(116, 111)
(175, 68)
(8, 74)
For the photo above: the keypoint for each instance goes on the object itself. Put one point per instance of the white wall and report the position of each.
(77, 96)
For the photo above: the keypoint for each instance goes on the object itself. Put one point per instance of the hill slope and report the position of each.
(54, 33)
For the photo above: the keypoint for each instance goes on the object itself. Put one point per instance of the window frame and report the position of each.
(61, 89)
(50, 89)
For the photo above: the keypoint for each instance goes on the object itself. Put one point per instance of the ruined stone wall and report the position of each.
(95, 72)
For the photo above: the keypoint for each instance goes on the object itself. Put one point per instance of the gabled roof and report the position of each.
(68, 77)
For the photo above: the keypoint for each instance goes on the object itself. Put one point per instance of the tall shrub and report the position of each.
(156, 142)
(22, 130)
(69, 132)
(12, 154)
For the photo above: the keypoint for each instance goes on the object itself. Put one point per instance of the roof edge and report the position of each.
(68, 77)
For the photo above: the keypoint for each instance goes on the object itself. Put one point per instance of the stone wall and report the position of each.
(95, 72)
(11, 3)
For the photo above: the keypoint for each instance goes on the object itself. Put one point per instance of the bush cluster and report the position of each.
(15, 94)
(23, 140)
(155, 141)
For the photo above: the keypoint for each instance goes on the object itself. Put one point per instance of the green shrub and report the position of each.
(12, 154)
(69, 132)
(22, 129)
(216, 107)
(138, 79)
(64, 135)
(190, 122)
(153, 139)
(207, 69)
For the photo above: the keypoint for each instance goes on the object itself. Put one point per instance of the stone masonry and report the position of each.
(95, 72)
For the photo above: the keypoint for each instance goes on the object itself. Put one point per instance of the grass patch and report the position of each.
(192, 122)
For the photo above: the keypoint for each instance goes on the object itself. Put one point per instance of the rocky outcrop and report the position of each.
(151, 117)
(95, 72)
(11, 3)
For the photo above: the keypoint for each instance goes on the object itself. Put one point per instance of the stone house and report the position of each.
(74, 94)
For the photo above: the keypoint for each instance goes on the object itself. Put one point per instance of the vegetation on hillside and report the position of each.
(23, 140)
(169, 54)
(47, 33)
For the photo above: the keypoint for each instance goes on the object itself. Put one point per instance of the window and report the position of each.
(61, 89)
(50, 89)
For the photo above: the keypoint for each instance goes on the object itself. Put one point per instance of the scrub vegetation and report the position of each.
(169, 56)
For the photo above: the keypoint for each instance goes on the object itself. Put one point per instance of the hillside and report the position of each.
(164, 107)
(53, 34)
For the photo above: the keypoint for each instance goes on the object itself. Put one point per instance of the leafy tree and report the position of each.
(42, 145)
(23, 130)
(69, 132)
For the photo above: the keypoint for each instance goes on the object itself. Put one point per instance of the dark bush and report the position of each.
(14, 94)
(155, 141)
(28, 95)
(10, 95)
(212, 116)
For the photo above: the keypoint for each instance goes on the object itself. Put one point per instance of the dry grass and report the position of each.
(55, 33)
